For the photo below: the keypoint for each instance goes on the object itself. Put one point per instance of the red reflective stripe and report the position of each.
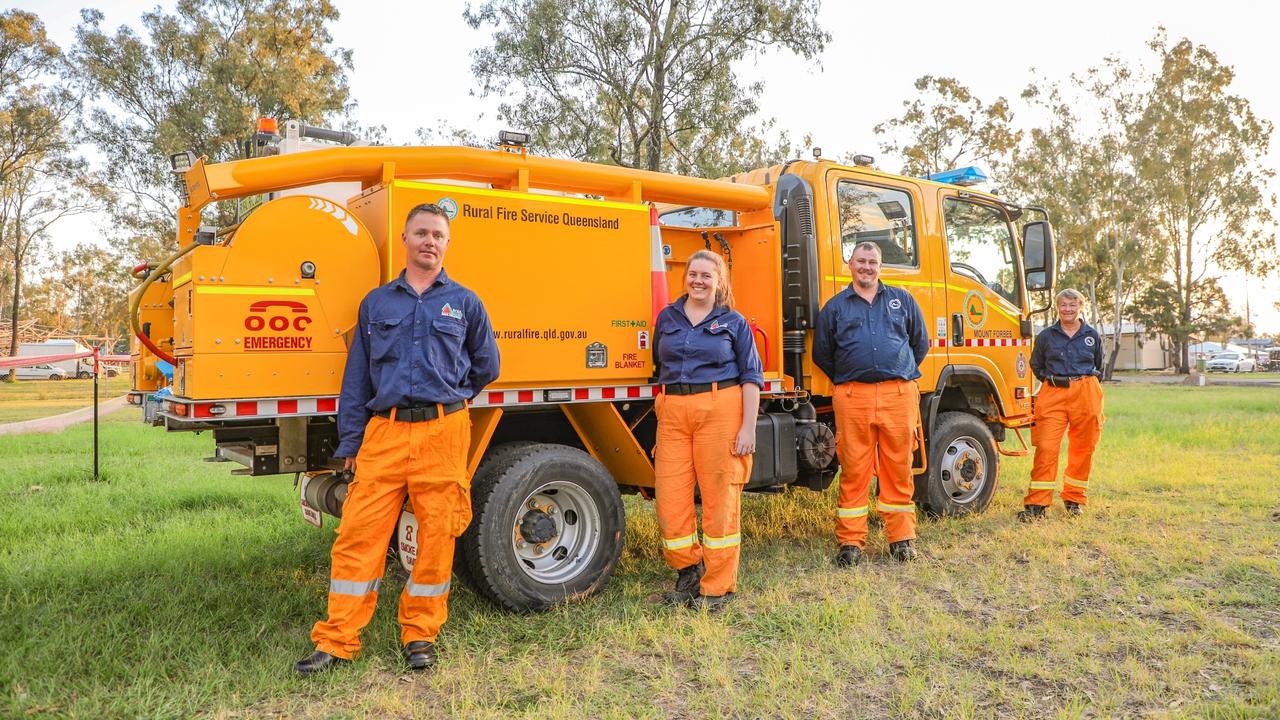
(287, 406)
(202, 410)
(327, 405)
(633, 391)
(495, 398)
(581, 394)
(246, 408)
(606, 393)
(524, 396)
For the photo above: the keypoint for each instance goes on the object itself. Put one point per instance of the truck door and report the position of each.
(887, 213)
(985, 296)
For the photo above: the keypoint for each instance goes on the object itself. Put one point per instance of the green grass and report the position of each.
(172, 589)
(30, 399)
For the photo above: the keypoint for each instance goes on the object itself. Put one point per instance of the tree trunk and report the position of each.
(1109, 370)
(657, 134)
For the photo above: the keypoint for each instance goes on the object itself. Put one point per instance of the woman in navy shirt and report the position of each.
(711, 379)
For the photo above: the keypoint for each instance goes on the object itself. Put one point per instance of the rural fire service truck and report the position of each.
(252, 323)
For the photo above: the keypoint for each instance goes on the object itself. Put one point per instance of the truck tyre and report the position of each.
(548, 526)
(496, 454)
(963, 467)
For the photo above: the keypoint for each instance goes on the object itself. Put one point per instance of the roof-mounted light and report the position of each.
(964, 177)
(863, 160)
(511, 137)
(182, 162)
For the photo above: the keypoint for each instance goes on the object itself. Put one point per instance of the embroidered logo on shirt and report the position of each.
(1088, 341)
(449, 311)
(895, 303)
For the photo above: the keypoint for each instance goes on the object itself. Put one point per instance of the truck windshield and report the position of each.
(699, 217)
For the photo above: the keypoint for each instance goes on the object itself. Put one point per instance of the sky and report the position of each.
(865, 74)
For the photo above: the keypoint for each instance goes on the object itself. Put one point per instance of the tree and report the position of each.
(197, 80)
(32, 116)
(32, 200)
(641, 83)
(85, 293)
(1157, 308)
(947, 126)
(34, 148)
(1201, 152)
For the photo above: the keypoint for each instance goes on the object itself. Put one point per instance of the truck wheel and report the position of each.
(963, 467)
(495, 455)
(548, 526)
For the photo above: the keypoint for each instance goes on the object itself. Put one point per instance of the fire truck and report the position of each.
(243, 330)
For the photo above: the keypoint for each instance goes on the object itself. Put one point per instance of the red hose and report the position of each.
(764, 357)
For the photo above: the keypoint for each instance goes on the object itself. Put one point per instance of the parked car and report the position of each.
(1230, 362)
(41, 372)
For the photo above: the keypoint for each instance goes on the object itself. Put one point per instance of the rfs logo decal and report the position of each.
(1021, 365)
(279, 322)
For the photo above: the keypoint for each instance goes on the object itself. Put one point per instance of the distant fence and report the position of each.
(17, 362)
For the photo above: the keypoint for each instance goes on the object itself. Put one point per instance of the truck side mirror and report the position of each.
(1038, 260)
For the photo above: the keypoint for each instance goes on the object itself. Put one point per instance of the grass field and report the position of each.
(172, 589)
(30, 399)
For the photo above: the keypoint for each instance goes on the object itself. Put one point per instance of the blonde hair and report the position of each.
(724, 291)
(1070, 293)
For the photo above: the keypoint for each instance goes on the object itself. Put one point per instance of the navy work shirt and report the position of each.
(721, 347)
(860, 341)
(410, 349)
(1057, 354)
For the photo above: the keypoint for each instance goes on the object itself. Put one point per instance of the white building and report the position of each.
(1139, 349)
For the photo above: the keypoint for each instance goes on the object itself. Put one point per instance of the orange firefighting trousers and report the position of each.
(875, 435)
(428, 462)
(695, 446)
(1077, 412)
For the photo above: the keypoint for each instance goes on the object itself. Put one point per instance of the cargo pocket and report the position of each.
(461, 511)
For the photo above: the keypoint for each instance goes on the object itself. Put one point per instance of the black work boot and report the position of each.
(1073, 508)
(848, 556)
(1031, 513)
(318, 661)
(903, 551)
(687, 582)
(712, 603)
(419, 655)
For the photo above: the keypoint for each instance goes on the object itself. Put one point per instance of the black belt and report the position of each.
(1061, 381)
(421, 413)
(695, 388)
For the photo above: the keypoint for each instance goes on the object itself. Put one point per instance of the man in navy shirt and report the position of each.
(870, 340)
(422, 348)
(1067, 360)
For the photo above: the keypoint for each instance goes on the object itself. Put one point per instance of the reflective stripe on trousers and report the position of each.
(425, 461)
(875, 435)
(1076, 412)
(695, 449)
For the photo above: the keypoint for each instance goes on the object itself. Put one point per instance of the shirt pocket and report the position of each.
(717, 345)
(384, 339)
(898, 322)
(669, 350)
(445, 349)
(1079, 358)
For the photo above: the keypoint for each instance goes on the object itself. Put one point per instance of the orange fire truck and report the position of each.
(243, 331)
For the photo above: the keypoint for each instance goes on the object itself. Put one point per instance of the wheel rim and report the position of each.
(963, 470)
(557, 551)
